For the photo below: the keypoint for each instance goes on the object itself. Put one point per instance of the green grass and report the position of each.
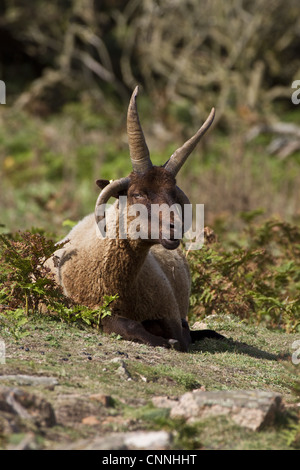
(255, 358)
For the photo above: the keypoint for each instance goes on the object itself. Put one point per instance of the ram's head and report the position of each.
(152, 186)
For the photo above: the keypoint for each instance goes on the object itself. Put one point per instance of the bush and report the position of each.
(25, 280)
(256, 277)
(27, 285)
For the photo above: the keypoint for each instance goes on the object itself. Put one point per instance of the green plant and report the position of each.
(26, 283)
(256, 278)
(292, 432)
(81, 313)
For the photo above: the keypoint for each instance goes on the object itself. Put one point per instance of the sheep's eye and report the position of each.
(137, 195)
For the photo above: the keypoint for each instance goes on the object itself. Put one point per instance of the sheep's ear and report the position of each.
(103, 183)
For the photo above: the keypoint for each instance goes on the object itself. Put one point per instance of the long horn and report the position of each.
(139, 153)
(178, 158)
(111, 190)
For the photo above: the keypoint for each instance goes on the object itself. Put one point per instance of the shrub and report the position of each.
(26, 283)
(256, 278)
(25, 280)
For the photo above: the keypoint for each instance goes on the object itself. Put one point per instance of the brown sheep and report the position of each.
(150, 276)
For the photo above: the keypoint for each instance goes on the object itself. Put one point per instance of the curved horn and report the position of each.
(181, 197)
(111, 190)
(182, 200)
(178, 158)
(139, 153)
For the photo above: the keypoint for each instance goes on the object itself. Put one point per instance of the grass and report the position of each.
(81, 360)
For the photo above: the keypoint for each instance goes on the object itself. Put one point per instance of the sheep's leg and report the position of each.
(198, 335)
(184, 335)
(169, 329)
(132, 330)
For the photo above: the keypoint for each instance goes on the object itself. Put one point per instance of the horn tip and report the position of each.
(135, 92)
(132, 103)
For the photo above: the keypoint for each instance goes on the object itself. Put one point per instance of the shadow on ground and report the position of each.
(229, 345)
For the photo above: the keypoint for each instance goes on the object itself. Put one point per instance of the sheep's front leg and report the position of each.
(198, 335)
(132, 330)
(170, 329)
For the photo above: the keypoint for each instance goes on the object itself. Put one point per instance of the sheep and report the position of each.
(150, 276)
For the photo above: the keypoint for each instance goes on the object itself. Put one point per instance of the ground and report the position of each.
(103, 384)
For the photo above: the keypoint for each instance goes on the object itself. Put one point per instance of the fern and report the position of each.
(256, 278)
(26, 283)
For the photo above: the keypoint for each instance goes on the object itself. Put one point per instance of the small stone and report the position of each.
(148, 440)
(122, 370)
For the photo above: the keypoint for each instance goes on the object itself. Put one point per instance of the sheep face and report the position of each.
(162, 220)
(156, 190)
(151, 187)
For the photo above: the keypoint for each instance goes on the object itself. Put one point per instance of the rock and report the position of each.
(164, 402)
(105, 400)
(21, 379)
(147, 440)
(141, 440)
(18, 403)
(71, 409)
(112, 442)
(251, 409)
(122, 370)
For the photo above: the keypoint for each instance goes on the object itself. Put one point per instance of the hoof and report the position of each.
(174, 344)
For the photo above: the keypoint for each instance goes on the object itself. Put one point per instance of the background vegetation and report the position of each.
(69, 69)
